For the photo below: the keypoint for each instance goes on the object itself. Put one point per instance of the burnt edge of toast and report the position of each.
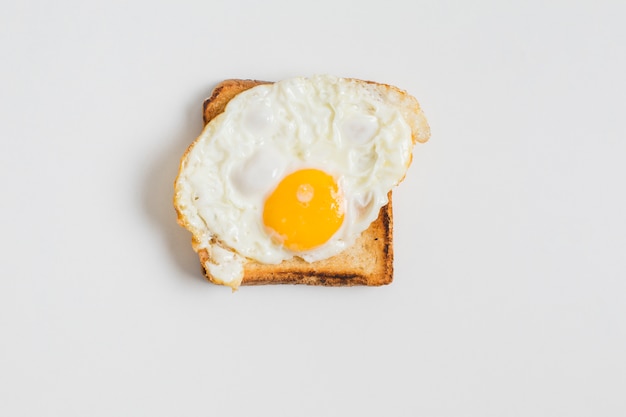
(316, 278)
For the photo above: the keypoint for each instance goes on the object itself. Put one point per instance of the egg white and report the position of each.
(340, 126)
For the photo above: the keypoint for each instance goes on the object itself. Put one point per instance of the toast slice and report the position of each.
(369, 261)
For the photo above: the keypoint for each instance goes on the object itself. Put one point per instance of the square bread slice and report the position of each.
(369, 261)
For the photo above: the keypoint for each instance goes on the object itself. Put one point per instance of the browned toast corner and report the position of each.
(369, 261)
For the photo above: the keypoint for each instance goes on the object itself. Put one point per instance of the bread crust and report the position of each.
(369, 261)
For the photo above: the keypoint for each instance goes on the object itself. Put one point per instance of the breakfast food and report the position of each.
(290, 182)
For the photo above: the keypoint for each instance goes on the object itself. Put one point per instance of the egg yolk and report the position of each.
(305, 210)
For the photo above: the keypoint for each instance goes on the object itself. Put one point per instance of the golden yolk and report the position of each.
(304, 210)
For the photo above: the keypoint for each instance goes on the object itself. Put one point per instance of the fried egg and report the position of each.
(298, 168)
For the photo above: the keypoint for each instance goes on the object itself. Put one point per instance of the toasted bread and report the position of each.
(369, 261)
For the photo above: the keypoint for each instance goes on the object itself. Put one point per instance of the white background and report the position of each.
(509, 296)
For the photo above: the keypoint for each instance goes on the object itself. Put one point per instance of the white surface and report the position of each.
(509, 290)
